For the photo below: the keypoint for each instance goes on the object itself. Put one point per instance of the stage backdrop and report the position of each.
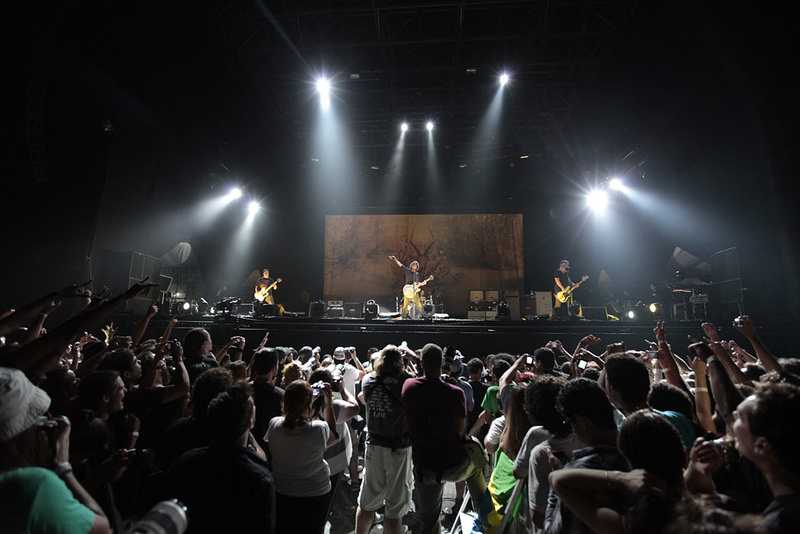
(462, 252)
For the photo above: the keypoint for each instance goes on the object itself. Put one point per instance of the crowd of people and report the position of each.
(96, 430)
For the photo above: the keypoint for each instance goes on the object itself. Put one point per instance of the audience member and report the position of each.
(585, 406)
(226, 486)
(267, 396)
(435, 411)
(387, 460)
(298, 445)
(38, 490)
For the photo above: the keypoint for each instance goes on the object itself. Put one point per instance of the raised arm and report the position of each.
(580, 490)
(725, 393)
(35, 329)
(666, 359)
(39, 353)
(21, 316)
(138, 332)
(746, 327)
(584, 343)
(168, 330)
(394, 258)
(238, 342)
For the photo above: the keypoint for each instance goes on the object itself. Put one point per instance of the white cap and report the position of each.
(20, 403)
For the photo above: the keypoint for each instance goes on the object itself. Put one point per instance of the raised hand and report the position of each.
(745, 325)
(76, 290)
(660, 331)
(711, 331)
(700, 351)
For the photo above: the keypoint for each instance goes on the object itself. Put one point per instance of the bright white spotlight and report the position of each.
(324, 88)
(429, 126)
(252, 208)
(615, 184)
(504, 78)
(404, 127)
(597, 200)
(232, 195)
(631, 314)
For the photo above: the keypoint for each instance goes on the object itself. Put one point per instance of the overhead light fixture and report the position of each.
(404, 127)
(429, 126)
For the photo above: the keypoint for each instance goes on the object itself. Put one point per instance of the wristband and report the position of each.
(134, 434)
(62, 469)
(237, 349)
(329, 405)
(701, 389)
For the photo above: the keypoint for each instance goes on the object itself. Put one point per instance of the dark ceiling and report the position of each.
(416, 61)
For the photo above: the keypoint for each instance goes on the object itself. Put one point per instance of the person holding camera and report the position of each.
(38, 490)
(298, 444)
(349, 374)
(340, 452)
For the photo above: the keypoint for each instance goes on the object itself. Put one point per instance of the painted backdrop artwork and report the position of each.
(462, 252)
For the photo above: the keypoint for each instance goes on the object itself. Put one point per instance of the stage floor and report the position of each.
(472, 338)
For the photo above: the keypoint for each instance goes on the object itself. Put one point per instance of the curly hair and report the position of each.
(586, 398)
(629, 376)
(540, 403)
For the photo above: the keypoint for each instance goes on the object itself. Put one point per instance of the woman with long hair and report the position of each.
(496, 503)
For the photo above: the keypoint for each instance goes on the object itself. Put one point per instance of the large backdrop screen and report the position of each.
(462, 252)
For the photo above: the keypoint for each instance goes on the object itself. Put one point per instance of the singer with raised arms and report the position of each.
(412, 305)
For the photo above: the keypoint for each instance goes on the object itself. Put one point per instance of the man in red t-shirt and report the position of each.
(435, 411)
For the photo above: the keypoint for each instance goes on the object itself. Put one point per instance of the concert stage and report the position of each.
(472, 338)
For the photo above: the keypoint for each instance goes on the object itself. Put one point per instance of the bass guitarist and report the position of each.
(412, 305)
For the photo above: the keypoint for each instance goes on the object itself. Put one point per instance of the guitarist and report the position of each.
(412, 278)
(263, 292)
(563, 282)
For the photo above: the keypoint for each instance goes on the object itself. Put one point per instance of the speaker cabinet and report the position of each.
(354, 310)
(595, 313)
(476, 295)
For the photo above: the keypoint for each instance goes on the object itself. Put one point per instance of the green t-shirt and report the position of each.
(33, 499)
(490, 400)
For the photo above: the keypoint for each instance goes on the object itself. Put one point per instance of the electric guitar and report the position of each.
(563, 296)
(261, 294)
(409, 290)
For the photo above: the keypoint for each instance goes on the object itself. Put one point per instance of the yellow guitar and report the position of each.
(409, 290)
(262, 294)
(563, 296)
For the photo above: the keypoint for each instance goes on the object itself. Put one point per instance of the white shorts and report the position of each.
(387, 479)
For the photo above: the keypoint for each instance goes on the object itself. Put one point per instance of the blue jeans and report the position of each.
(430, 487)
